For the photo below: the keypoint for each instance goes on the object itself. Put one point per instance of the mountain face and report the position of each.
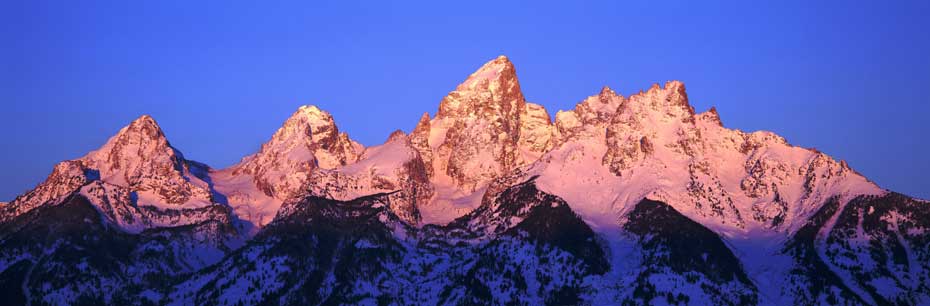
(108, 227)
(623, 200)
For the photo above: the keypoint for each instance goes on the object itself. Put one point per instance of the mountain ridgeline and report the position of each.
(623, 200)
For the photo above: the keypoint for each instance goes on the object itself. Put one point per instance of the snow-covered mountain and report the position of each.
(622, 200)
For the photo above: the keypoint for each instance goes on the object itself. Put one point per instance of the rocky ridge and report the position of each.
(621, 200)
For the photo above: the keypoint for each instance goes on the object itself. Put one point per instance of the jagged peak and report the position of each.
(145, 126)
(607, 92)
(311, 114)
(295, 138)
(395, 135)
(308, 139)
(670, 99)
(140, 157)
(492, 90)
(310, 110)
(592, 110)
(605, 96)
(493, 69)
(308, 123)
(423, 124)
(144, 118)
(675, 85)
(498, 70)
(654, 87)
(711, 115)
(670, 85)
(143, 133)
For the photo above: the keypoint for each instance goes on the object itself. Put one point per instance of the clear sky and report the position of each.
(849, 78)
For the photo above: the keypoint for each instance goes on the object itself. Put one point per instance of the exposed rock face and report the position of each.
(631, 128)
(590, 117)
(140, 157)
(482, 125)
(481, 121)
(66, 177)
(536, 133)
(308, 140)
(420, 140)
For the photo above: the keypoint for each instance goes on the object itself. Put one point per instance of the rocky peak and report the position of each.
(307, 126)
(144, 125)
(141, 158)
(311, 132)
(659, 118)
(499, 71)
(66, 177)
(536, 132)
(139, 141)
(671, 99)
(491, 91)
(711, 115)
(658, 129)
(138, 158)
(396, 135)
(480, 126)
(307, 140)
(422, 125)
(606, 93)
(657, 110)
(589, 116)
(419, 140)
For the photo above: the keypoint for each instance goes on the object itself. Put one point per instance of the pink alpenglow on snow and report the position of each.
(633, 199)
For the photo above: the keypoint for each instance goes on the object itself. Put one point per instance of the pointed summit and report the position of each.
(144, 119)
(711, 115)
(143, 127)
(311, 111)
(677, 88)
(490, 90)
(139, 141)
(419, 139)
(308, 121)
(138, 159)
(670, 100)
(396, 135)
(589, 116)
(422, 125)
(309, 108)
(307, 130)
(308, 139)
(497, 69)
(606, 92)
(141, 158)
(480, 123)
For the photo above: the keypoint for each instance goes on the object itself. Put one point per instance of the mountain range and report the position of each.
(623, 200)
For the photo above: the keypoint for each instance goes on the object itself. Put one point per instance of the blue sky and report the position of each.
(848, 78)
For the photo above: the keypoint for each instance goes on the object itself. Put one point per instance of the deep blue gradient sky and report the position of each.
(849, 78)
